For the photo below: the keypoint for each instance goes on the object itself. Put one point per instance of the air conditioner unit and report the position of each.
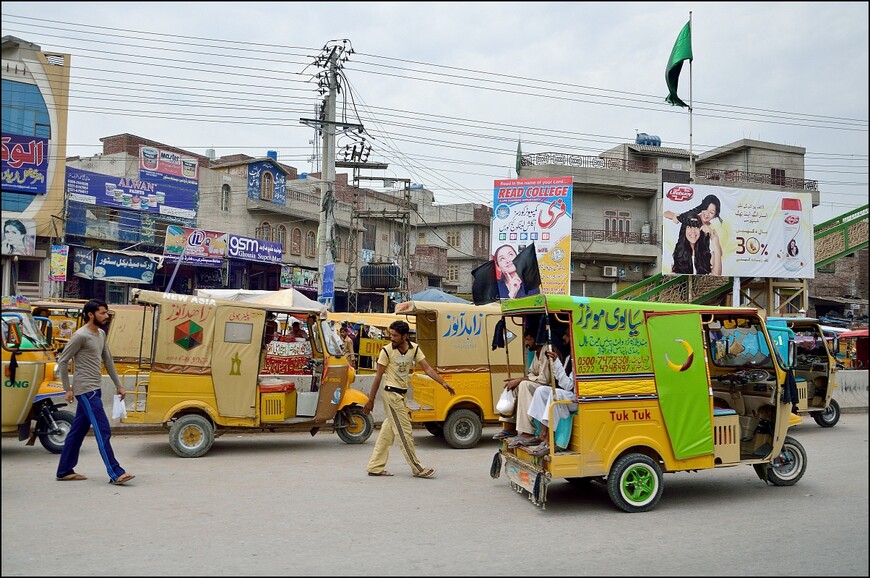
(610, 271)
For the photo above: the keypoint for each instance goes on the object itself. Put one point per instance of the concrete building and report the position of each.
(617, 223)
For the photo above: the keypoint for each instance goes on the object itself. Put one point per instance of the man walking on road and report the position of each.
(89, 350)
(395, 362)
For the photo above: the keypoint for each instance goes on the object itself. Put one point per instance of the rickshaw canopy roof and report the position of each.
(158, 298)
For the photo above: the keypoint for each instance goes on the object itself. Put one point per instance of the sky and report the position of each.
(446, 90)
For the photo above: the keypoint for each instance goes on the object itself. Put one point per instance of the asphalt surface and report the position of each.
(290, 504)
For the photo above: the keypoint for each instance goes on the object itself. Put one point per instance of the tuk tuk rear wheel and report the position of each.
(635, 483)
(54, 443)
(357, 426)
(191, 436)
(462, 429)
(788, 467)
(830, 416)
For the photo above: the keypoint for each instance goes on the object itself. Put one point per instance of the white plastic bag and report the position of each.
(119, 410)
(506, 403)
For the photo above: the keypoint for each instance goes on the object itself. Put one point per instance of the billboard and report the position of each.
(732, 232)
(195, 246)
(130, 194)
(25, 163)
(538, 211)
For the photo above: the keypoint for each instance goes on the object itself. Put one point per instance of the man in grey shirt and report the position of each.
(88, 349)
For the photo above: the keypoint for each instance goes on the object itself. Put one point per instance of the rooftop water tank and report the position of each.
(272, 155)
(209, 154)
(643, 138)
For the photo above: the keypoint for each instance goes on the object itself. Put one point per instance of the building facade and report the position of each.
(34, 118)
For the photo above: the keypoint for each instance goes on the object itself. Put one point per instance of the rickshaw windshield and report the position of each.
(332, 338)
(739, 342)
(31, 336)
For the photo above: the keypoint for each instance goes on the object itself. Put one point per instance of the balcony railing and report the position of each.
(589, 235)
(588, 162)
(763, 178)
(591, 162)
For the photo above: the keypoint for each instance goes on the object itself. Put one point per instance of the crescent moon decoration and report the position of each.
(689, 360)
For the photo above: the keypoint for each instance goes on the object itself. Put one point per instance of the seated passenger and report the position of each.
(297, 333)
(542, 399)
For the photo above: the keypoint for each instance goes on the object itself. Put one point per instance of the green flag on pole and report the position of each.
(519, 158)
(682, 51)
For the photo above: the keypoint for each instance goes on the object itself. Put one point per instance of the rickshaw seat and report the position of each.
(286, 387)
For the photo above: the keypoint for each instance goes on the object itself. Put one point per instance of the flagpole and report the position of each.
(691, 158)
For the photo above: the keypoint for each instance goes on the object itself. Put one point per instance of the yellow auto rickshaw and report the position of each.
(28, 367)
(658, 387)
(455, 339)
(212, 373)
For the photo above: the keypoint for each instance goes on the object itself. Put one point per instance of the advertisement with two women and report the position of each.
(733, 232)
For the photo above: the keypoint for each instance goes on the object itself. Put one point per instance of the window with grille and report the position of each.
(453, 239)
(264, 231)
(617, 224)
(421, 238)
(310, 244)
(339, 248)
(281, 237)
(267, 186)
(452, 273)
(225, 198)
(296, 241)
(369, 237)
(777, 176)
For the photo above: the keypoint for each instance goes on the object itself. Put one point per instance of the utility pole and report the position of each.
(331, 58)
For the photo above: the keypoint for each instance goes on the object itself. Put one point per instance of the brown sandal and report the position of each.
(426, 473)
(381, 473)
(72, 476)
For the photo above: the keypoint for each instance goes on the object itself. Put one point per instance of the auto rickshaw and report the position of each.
(123, 331)
(212, 373)
(374, 335)
(454, 338)
(815, 368)
(659, 388)
(28, 367)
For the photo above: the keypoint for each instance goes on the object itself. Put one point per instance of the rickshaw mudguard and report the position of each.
(49, 388)
(352, 396)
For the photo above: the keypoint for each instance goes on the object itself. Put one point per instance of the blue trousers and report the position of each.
(89, 413)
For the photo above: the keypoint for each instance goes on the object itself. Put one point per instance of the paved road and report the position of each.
(289, 504)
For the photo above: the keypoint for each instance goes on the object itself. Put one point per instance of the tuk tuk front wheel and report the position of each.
(829, 417)
(635, 483)
(436, 428)
(786, 468)
(463, 429)
(54, 442)
(355, 426)
(191, 436)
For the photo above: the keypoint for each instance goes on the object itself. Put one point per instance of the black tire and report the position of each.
(54, 443)
(789, 466)
(829, 417)
(634, 483)
(191, 436)
(358, 429)
(436, 428)
(463, 429)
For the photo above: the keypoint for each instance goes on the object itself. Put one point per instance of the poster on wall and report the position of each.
(57, 266)
(731, 232)
(526, 212)
(19, 237)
